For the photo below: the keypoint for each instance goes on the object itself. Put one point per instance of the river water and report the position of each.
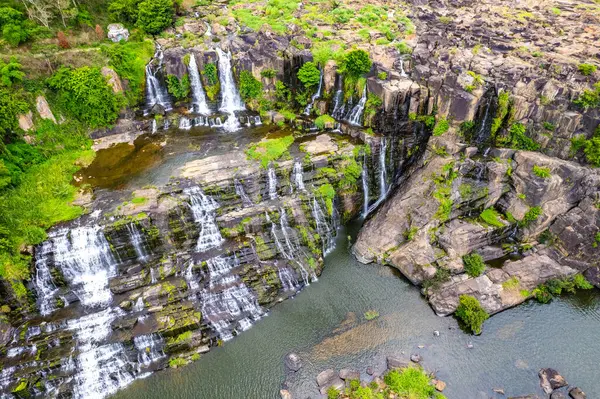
(325, 323)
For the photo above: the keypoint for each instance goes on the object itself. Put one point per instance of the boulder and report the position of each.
(26, 121)
(325, 377)
(44, 109)
(293, 362)
(415, 358)
(550, 380)
(558, 395)
(117, 32)
(439, 385)
(577, 393)
(285, 394)
(349, 374)
(113, 79)
(396, 363)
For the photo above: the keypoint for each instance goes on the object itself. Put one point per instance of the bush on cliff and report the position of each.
(10, 107)
(178, 88)
(356, 63)
(471, 313)
(473, 264)
(250, 87)
(309, 75)
(591, 147)
(85, 94)
(155, 15)
(269, 150)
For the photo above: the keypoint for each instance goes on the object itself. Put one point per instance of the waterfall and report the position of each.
(338, 101)
(185, 123)
(239, 190)
(402, 72)
(257, 121)
(382, 170)
(203, 208)
(208, 30)
(325, 232)
(154, 127)
(86, 261)
(231, 100)
(139, 305)
(288, 281)
(272, 176)
(481, 136)
(365, 186)
(198, 97)
(357, 112)
(138, 241)
(220, 266)
(156, 92)
(167, 124)
(298, 177)
(316, 95)
(149, 347)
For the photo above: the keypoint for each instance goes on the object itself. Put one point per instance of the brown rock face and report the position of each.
(43, 109)
(551, 380)
(113, 79)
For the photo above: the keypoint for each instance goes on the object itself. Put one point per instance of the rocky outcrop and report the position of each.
(43, 109)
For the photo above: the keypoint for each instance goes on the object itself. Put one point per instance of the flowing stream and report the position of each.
(231, 100)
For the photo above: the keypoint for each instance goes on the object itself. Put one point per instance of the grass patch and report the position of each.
(371, 314)
(541, 171)
(269, 150)
(492, 217)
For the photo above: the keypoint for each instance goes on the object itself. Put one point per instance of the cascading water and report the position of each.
(326, 233)
(150, 349)
(199, 104)
(357, 111)
(402, 72)
(156, 92)
(288, 281)
(239, 190)
(154, 126)
(272, 178)
(298, 176)
(484, 130)
(138, 241)
(203, 208)
(84, 258)
(315, 96)
(231, 100)
(382, 170)
(339, 106)
(185, 123)
(365, 186)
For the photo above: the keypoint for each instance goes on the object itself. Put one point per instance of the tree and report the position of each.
(62, 40)
(10, 107)
(250, 87)
(39, 10)
(124, 10)
(10, 73)
(309, 75)
(471, 313)
(12, 25)
(155, 15)
(356, 63)
(99, 32)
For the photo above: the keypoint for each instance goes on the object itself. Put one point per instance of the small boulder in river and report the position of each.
(551, 380)
(285, 394)
(293, 362)
(396, 363)
(415, 358)
(577, 393)
(325, 376)
(558, 395)
(349, 374)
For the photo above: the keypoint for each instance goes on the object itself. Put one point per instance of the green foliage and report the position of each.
(587, 69)
(491, 217)
(350, 174)
(589, 98)
(413, 383)
(442, 194)
(441, 127)
(474, 265)
(504, 103)
(382, 75)
(530, 216)
(10, 73)
(541, 171)
(327, 193)
(471, 313)
(333, 393)
(518, 140)
(13, 26)
(155, 15)
(371, 314)
(441, 276)
(403, 48)
(555, 287)
(10, 106)
(268, 73)
(309, 75)
(549, 126)
(356, 63)
(410, 233)
(372, 105)
(511, 284)
(323, 120)
(129, 59)
(210, 74)
(269, 150)
(85, 94)
(124, 10)
(591, 147)
(250, 87)
(179, 89)
(177, 362)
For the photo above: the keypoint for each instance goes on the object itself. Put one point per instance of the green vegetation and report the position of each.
(11, 105)
(471, 313)
(410, 233)
(590, 147)
(476, 81)
(382, 75)
(309, 75)
(441, 276)
(403, 48)
(350, 174)
(327, 193)
(555, 287)
(154, 16)
(211, 80)
(269, 150)
(371, 314)
(442, 194)
(250, 87)
(511, 284)
(589, 98)
(504, 104)
(14, 28)
(85, 95)
(441, 127)
(356, 63)
(372, 105)
(530, 216)
(587, 69)
(177, 362)
(491, 217)
(411, 382)
(179, 89)
(324, 120)
(548, 126)
(541, 171)
(474, 265)
(518, 140)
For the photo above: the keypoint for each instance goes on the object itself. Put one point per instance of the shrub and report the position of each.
(13, 26)
(587, 69)
(371, 314)
(471, 313)
(332, 393)
(474, 264)
(309, 74)
(356, 63)
(589, 98)
(210, 74)
(10, 73)
(350, 174)
(410, 233)
(411, 382)
(323, 120)
(327, 193)
(518, 140)
(86, 95)
(491, 217)
(382, 75)
(62, 40)
(250, 87)
(541, 171)
(530, 216)
(548, 126)
(155, 15)
(10, 107)
(591, 147)
(403, 48)
(441, 127)
(179, 89)
(124, 10)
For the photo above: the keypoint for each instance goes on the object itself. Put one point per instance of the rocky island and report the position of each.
(170, 171)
